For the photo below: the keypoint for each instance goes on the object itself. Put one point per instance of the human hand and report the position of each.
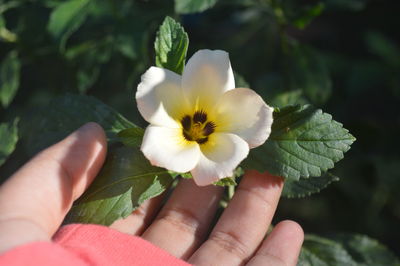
(35, 200)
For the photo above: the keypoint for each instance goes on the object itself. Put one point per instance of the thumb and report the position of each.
(35, 200)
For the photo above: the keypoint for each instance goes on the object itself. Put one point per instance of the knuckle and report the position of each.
(182, 219)
(231, 243)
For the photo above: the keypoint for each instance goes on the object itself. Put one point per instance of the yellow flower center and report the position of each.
(196, 127)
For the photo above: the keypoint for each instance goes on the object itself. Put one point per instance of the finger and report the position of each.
(140, 219)
(282, 247)
(183, 222)
(35, 200)
(244, 223)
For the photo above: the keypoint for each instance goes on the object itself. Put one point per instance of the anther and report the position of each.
(187, 136)
(186, 122)
(202, 140)
(208, 128)
(200, 117)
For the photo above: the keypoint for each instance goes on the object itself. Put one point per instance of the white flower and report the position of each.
(198, 121)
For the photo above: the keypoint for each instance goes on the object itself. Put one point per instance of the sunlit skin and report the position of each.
(181, 227)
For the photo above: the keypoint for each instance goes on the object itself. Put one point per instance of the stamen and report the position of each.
(200, 117)
(202, 141)
(196, 127)
(187, 136)
(208, 128)
(186, 122)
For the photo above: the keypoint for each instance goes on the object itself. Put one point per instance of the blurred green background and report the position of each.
(340, 55)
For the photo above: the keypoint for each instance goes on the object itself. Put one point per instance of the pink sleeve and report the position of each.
(87, 245)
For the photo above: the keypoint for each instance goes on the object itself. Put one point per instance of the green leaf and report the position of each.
(193, 6)
(227, 181)
(307, 186)
(366, 251)
(126, 180)
(328, 251)
(65, 114)
(304, 142)
(307, 258)
(171, 46)
(8, 139)
(5, 34)
(174, 175)
(9, 78)
(88, 58)
(345, 249)
(66, 18)
(305, 69)
(231, 181)
(131, 137)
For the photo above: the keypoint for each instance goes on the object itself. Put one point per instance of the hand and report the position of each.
(35, 200)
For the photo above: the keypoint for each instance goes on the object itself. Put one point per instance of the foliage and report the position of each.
(307, 186)
(126, 180)
(345, 249)
(9, 78)
(339, 55)
(171, 46)
(8, 139)
(69, 112)
(305, 142)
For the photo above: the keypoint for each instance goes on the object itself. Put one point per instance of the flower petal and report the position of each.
(219, 157)
(206, 76)
(166, 147)
(244, 113)
(159, 97)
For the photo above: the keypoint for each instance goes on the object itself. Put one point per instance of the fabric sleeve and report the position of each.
(90, 245)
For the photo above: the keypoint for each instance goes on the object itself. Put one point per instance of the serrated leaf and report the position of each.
(366, 251)
(307, 258)
(9, 78)
(66, 18)
(65, 114)
(304, 142)
(328, 251)
(345, 249)
(126, 180)
(307, 186)
(193, 6)
(8, 139)
(171, 46)
(131, 137)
